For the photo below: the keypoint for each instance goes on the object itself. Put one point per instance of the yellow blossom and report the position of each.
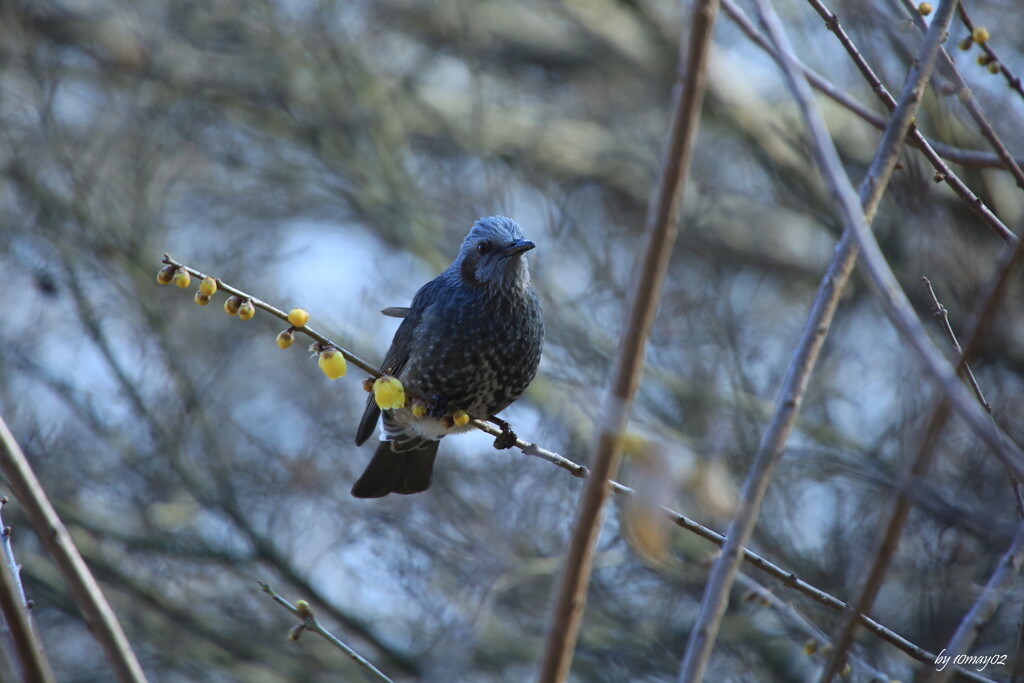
(285, 338)
(246, 311)
(232, 304)
(388, 392)
(298, 317)
(333, 363)
(165, 276)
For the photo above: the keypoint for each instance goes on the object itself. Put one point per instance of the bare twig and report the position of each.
(915, 138)
(985, 606)
(963, 93)
(940, 312)
(308, 622)
(96, 611)
(791, 394)
(943, 315)
(1012, 79)
(263, 305)
(793, 616)
(15, 609)
(660, 228)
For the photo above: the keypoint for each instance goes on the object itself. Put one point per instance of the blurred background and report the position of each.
(332, 155)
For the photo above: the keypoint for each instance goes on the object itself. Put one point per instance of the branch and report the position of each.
(1012, 79)
(309, 623)
(15, 609)
(963, 93)
(661, 226)
(942, 171)
(96, 611)
(986, 604)
(791, 395)
(265, 548)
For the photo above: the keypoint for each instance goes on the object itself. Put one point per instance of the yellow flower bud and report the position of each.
(202, 299)
(208, 286)
(332, 363)
(388, 392)
(368, 384)
(980, 35)
(303, 608)
(418, 409)
(285, 338)
(298, 317)
(246, 311)
(165, 275)
(984, 59)
(966, 44)
(993, 67)
(460, 418)
(925, 8)
(232, 304)
(810, 647)
(182, 278)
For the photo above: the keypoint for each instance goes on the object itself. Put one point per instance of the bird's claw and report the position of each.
(507, 438)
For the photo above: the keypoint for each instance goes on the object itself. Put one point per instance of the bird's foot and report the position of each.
(507, 438)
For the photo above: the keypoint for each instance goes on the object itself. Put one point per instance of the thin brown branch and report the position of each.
(263, 305)
(963, 93)
(96, 611)
(15, 610)
(308, 622)
(1012, 79)
(790, 399)
(915, 138)
(940, 312)
(660, 228)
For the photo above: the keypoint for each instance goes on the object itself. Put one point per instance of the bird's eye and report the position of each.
(483, 247)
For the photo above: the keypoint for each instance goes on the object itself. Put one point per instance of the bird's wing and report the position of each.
(396, 358)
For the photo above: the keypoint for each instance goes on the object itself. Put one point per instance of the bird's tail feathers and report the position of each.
(401, 464)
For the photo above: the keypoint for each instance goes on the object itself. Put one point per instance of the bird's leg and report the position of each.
(507, 438)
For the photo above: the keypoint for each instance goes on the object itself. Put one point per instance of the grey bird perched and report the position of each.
(471, 341)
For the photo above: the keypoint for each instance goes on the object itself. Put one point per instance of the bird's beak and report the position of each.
(517, 247)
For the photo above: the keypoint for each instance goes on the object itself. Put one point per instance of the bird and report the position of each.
(471, 340)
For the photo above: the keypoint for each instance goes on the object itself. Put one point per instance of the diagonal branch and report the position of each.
(932, 151)
(98, 615)
(309, 622)
(660, 227)
(790, 399)
(15, 611)
(986, 604)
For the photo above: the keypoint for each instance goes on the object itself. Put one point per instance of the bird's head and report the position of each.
(492, 255)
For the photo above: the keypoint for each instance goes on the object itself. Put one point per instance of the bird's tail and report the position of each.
(391, 470)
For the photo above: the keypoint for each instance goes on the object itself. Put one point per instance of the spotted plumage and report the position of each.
(471, 340)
